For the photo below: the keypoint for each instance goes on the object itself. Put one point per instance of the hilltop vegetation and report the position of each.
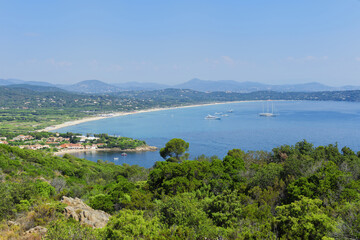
(293, 192)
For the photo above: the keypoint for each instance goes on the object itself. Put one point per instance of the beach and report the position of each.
(118, 114)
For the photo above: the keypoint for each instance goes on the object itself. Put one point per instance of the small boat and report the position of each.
(124, 154)
(115, 159)
(224, 115)
(218, 113)
(230, 111)
(212, 117)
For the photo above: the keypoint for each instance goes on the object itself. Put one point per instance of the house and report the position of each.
(34, 147)
(93, 146)
(3, 142)
(23, 138)
(72, 146)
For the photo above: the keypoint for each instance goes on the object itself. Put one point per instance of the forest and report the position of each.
(293, 192)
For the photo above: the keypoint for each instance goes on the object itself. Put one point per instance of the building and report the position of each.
(23, 138)
(72, 146)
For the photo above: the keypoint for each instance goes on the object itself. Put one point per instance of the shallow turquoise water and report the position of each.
(321, 123)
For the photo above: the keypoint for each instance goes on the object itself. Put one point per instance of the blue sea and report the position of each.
(320, 123)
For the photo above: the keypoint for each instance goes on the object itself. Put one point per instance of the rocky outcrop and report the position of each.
(34, 233)
(144, 148)
(81, 212)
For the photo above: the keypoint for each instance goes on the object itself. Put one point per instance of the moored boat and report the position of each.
(212, 117)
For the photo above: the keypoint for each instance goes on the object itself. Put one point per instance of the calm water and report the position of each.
(321, 123)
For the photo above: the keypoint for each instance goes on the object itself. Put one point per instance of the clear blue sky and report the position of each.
(269, 41)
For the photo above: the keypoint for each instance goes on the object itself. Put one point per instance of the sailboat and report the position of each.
(268, 113)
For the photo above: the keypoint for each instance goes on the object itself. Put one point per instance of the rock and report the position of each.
(38, 229)
(144, 148)
(81, 212)
(13, 223)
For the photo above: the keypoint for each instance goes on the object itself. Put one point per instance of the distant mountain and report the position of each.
(99, 87)
(234, 86)
(37, 88)
(5, 82)
(137, 86)
(222, 85)
(91, 86)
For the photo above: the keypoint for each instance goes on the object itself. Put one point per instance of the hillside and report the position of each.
(292, 192)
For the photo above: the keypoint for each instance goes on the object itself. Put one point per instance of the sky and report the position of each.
(170, 42)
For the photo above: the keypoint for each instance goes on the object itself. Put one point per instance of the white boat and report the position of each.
(115, 159)
(268, 113)
(218, 113)
(230, 111)
(124, 154)
(212, 117)
(225, 115)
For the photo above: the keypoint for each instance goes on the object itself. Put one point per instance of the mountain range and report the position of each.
(99, 87)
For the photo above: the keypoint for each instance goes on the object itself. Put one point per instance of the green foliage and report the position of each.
(227, 209)
(102, 202)
(294, 192)
(183, 209)
(267, 175)
(70, 229)
(128, 224)
(303, 219)
(44, 189)
(23, 206)
(174, 149)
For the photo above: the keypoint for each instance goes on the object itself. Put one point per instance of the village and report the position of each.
(64, 142)
(54, 142)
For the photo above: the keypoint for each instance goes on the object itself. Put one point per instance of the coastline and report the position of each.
(138, 149)
(118, 114)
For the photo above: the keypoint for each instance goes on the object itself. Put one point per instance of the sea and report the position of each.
(240, 126)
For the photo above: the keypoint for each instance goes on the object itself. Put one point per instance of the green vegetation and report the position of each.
(293, 192)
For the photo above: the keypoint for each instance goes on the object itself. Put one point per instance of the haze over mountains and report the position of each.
(99, 87)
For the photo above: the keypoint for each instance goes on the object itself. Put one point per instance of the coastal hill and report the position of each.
(292, 192)
(100, 87)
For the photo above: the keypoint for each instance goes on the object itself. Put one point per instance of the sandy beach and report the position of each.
(118, 114)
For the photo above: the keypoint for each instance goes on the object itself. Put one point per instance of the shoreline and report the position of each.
(138, 149)
(119, 114)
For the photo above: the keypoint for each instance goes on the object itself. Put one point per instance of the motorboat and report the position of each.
(212, 117)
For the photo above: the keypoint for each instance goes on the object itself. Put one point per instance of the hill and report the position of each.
(234, 86)
(92, 86)
(292, 192)
(37, 88)
(138, 86)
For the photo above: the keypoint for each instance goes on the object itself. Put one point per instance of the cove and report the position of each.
(320, 123)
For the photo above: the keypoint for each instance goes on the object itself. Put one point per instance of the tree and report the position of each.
(303, 219)
(174, 149)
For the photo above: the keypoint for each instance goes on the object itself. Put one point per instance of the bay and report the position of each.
(320, 123)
